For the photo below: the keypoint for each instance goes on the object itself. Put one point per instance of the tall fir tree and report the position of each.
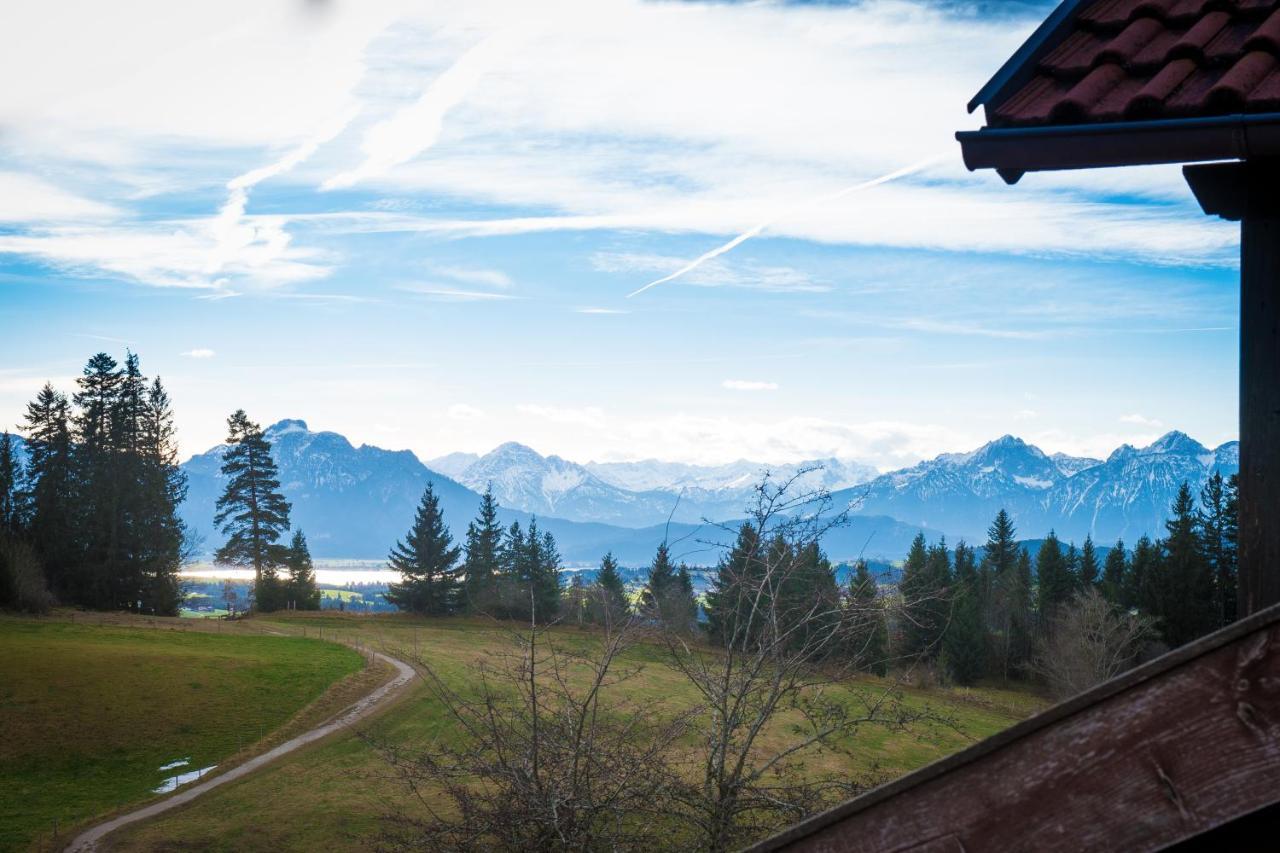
(546, 579)
(1089, 573)
(482, 562)
(1113, 573)
(810, 598)
(1185, 593)
(301, 592)
(49, 493)
(1016, 595)
(427, 561)
(1054, 581)
(11, 516)
(1138, 591)
(684, 584)
(252, 512)
(1216, 523)
(729, 598)
(997, 586)
(964, 645)
(914, 587)
(159, 534)
(658, 599)
(868, 634)
(611, 593)
(100, 482)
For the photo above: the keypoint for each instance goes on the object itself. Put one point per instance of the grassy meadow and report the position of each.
(331, 796)
(92, 706)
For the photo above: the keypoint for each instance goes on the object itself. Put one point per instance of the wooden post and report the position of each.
(1249, 192)
(1260, 408)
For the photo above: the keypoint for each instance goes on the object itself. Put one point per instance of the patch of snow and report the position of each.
(173, 764)
(1033, 482)
(174, 782)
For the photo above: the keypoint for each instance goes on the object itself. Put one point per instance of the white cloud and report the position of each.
(452, 294)
(415, 128)
(199, 352)
(593, 309)
(588, 416)
(464, 412)
(748, 385)
(1140, 420)
(25, 198)
(1025, 415)
(496, 279)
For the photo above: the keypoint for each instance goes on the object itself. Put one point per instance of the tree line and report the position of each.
(253, 514)
(91, 518)
(997, 613)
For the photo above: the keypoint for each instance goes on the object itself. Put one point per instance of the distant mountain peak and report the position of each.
(286, 426)
(1176, 441)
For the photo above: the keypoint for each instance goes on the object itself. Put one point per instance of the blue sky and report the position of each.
(418, 224)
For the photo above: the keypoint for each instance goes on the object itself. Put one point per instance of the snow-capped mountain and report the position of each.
(1126, 495)
(355, 502)
(652, 474)
(548, 485)
(632, 494)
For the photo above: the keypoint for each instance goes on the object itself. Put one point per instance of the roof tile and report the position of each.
(1128, 59)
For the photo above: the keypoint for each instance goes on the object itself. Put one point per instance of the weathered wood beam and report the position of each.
(1169, 751)
(1249, 192)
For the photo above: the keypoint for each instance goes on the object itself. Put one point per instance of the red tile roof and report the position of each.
(1130, 60)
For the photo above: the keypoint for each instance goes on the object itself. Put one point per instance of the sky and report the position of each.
(424, 225)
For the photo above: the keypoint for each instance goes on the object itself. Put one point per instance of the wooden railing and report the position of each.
(1179, 747)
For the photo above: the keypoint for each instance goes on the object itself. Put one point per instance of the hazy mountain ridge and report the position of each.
(631, 494)
(1126, 495)
(355, 502)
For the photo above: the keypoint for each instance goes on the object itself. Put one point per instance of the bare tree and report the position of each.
(788, 651)
(543, 753)
(1089, 642)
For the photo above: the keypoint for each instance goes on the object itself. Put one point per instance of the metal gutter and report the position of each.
(1019, 67)
(1013, 151)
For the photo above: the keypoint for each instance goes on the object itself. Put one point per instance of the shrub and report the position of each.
(22, 581)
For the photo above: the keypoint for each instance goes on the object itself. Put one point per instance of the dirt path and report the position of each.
(88, 840)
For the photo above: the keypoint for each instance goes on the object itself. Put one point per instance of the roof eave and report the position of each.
(1016, 150)
(1019, 67)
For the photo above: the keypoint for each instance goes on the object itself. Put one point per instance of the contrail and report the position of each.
(755, 230)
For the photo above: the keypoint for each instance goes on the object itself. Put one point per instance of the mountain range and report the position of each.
(632, 494)
(1124, 496)
(355, 502)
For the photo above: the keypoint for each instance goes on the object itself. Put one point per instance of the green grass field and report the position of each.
(331, 796)
(89, 712)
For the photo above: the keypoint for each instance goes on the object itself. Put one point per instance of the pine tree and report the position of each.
(729, 598)
(1088, 573)
(99, 482)
(252, 512)
(964, 645)
(483, 550)
(868, 636)
(1184, 582)
(1137, 590)
(611, 592)
(1113, 573)
(158, 534)
(427, 562)
(657, 600)
(50, 493)
(1216, 522)
(10, 487)
(547, 576)
(810, 596)
(687, 597)
(914, 586)
(1016, 594)
(997, 586)
(1053, 579)
(300, 588)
